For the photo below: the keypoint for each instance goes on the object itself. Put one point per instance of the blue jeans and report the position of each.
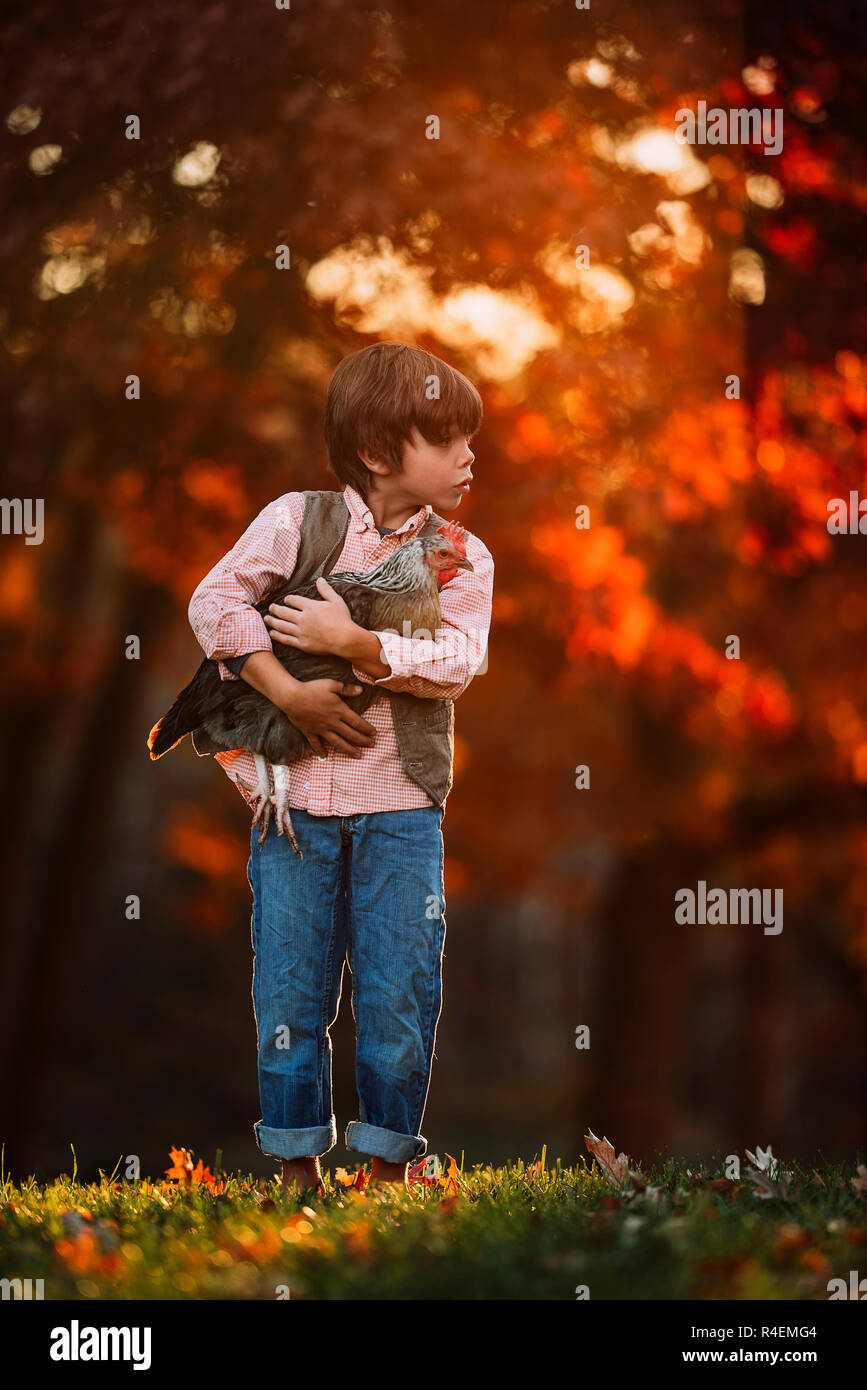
(369, 889)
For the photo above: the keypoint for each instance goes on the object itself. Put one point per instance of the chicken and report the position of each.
(225, 715)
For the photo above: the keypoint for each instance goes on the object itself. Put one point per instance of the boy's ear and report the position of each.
(373, 464)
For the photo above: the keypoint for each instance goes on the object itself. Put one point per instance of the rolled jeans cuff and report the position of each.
(384, 1143)
(296, 1143)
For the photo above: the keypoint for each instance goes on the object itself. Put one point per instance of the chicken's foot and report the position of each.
(281, 806)
(262, 803)
(279, 800)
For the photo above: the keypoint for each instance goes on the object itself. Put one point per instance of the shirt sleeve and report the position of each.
(441, 666)
(221, 611)
(235, 663)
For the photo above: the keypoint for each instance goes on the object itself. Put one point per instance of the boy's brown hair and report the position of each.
(375, 397)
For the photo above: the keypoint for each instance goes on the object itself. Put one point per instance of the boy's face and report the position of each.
(438, 473)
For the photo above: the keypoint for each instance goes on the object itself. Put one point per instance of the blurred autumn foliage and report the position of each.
(604, 387)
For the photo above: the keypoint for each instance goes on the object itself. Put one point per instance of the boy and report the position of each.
(367, 815)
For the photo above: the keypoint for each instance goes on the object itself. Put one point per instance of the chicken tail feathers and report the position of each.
(186, 713)
(165, 734)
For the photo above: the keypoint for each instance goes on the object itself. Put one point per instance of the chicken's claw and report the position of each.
(265, 799)
(262, 798)
(281, 807)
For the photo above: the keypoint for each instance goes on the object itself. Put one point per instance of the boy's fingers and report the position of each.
(356, 736)
(343, 747)
(351, 690)
(355, 721)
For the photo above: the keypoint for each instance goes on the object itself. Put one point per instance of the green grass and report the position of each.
(519, 1232)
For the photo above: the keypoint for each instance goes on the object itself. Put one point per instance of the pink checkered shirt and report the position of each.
(226, 625)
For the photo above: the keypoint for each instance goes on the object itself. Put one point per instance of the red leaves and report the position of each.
(182, 1170)
(417, 1173)
(88, 1246)
(449, 1180)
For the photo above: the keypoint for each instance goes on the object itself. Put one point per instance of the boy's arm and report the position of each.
(221, 611)
(228, 628)
(441, 668)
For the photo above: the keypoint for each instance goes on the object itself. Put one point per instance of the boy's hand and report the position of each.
(312, 625)
(316, 708)
(318, 627)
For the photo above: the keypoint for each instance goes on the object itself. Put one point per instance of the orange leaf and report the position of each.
(183, 1171)
(182, 1165)
(451, 1178)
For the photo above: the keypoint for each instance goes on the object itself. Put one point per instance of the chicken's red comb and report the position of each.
(455, 535)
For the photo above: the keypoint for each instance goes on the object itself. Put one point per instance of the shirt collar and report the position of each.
(363, 518)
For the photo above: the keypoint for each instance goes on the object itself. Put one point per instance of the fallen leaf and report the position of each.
(615, 1169)
(860, 1182)
(764, 1160)
(182, 1165)
(451, 1179)
(182, 1170)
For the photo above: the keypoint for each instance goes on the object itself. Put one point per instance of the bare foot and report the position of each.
(382, 1172)
(301, 1175)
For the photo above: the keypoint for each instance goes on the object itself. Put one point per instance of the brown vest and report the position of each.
(425, 728)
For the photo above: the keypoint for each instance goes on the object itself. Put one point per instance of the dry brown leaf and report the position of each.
(616, 1169)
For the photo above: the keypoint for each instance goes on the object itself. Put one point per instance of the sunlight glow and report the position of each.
(23, 119)
(379, 288)
(504, 330)
(764, 190)
(688, 240)
(198, 166)
(760, 80)
(747, 277)
(684, 238)
(593, 71)
(44, 158)
(68, 271)
(607, 294)
(193, 317)
(657, 151)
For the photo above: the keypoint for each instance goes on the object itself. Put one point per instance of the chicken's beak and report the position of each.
(461, 563)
